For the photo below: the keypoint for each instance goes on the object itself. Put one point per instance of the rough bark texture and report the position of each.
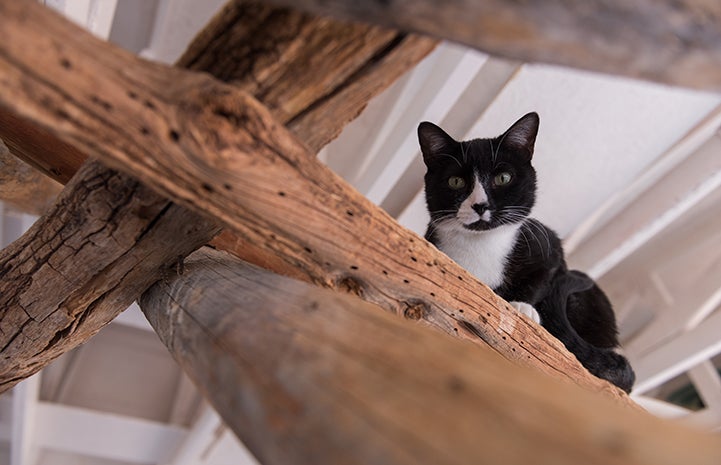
(83, 263)
(307, 70)
(267, 52)
(306, 376)
(23, 187)
(215, 149)
(675, 42)
(165, 238)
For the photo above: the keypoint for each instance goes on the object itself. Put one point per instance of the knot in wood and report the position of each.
(350, 285)
(415, 310)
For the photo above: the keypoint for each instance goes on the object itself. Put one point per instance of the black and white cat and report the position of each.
(479, 195)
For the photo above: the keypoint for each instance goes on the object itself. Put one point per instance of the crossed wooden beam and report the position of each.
(236, 151)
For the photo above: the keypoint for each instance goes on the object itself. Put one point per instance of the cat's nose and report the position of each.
(480, 208)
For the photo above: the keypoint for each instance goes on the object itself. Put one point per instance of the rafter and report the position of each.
(676, 42)
(678, 355)
(674, 194)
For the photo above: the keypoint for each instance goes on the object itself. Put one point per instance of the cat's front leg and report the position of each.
(527, 309)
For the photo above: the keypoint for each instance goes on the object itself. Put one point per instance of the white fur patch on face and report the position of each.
(466, 213)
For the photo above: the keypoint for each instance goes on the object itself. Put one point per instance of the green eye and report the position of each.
(456, 182)
(502, 179)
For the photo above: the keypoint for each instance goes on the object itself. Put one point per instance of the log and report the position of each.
(23, 187)
(675, 42)
(248, 43)
(23, 355)
(305, 376)
(216, 150)
(83, 263)
(314, 74)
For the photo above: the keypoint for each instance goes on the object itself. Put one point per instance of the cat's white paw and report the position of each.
(528, 310)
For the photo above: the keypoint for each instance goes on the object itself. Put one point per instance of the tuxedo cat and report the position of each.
(479, 195)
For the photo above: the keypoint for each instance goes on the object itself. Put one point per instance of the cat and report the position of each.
(479, 195)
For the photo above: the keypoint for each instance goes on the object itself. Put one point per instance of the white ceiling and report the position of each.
(629, 175)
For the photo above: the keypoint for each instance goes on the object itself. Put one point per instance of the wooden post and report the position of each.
(307, 376)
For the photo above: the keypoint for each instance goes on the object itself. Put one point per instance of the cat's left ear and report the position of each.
(522, 134)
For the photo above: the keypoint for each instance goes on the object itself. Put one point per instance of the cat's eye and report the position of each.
(456, 182)
(502, 179)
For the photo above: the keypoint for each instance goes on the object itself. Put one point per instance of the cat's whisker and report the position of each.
(452, 158)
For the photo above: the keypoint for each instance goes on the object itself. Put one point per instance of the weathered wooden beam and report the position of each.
(216, 150)
(674, 42)
(83, 263)
(23, 187)
(308, 70)
(307, 376)
(315, 74)
(165, 238)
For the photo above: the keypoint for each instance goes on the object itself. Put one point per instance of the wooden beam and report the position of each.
(678, 355)
(707, 381)
(672, 158)
(286, 363)
(23, 446)
(161, 226)
(216, 150)
(674, 42)
(107, 435)
(307, 70)
(83, 263)
(675, 193)
(23, 187)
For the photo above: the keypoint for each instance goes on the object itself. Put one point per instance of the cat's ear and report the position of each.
(434, 141)
(522, 134)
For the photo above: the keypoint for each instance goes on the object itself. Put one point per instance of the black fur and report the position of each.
(571, 306)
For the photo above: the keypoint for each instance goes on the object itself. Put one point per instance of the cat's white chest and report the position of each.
(484, 254)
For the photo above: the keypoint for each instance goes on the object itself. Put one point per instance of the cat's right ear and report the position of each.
(434, 142)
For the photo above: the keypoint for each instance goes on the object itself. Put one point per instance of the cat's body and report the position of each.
(479, 194)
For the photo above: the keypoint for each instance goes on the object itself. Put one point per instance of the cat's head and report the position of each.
(479, 184)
